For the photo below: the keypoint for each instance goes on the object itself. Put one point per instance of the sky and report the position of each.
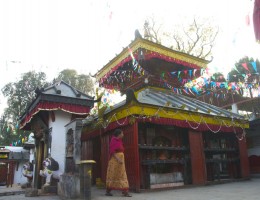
(52, 35)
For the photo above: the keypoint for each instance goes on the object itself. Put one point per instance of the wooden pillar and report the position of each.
(46, 145)
(198, 164)
(37, 163)
(10, 173)
(244, 162)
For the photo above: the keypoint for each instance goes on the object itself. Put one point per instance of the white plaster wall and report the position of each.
(59, 137)
(18, 176)
(32, 155)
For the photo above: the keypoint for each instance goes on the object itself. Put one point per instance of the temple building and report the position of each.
(53, 108)
(171, 139)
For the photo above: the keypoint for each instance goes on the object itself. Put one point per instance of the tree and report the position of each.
(10, 134)
(151, 31)
(218, 77)
(244, 71)
(195, 38)
(19, 95)
(82, 82)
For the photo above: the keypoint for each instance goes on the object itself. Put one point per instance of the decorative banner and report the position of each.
(204, 84)
(136, 65)
(194, 72)
(254, 66)
(235, 68)
(245, 66)
(190, 73)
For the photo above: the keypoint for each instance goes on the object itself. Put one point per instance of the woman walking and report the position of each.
(116, 174)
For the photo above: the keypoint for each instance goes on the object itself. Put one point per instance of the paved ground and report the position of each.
(242, 190)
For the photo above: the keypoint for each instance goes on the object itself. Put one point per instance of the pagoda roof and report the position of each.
(171, 100)
(58, 96)
(165, 107)
(168, 99)
(62, 88)
(155, 51)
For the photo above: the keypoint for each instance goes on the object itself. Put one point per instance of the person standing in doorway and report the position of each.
(116, 174)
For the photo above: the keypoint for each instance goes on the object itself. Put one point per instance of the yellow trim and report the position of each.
(152, 111)
(148, 111)
(175, 114)
(4, 155)
(150, 46)
(87, 161)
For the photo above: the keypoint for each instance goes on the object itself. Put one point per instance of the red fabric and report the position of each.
(116, 145)
(173, 60)
(71, 108)
(167, 121)
(148, 57)
(256, 20)
(201, 127)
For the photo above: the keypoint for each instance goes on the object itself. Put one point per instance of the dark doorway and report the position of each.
(3, 173)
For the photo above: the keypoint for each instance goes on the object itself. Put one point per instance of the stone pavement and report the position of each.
(14, 190)
(240, 190)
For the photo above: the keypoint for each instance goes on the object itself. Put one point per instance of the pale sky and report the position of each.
(52, 35)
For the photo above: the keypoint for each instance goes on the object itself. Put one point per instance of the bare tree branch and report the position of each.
(196, 38)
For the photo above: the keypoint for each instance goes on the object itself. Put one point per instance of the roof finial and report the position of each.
(137, 34)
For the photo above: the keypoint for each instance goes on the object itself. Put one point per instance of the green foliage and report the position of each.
(69, 76)
(19, 95)
(82, 82)
(218, 77)
(239, 74)
(10, 134)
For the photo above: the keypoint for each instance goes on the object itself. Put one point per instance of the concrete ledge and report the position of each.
(49, 189)
(11, 193)
(255, 175)
(31, 192)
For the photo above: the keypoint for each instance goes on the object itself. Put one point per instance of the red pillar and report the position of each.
(198, 166)
(244, 162)
(136, 152)
(132, 155)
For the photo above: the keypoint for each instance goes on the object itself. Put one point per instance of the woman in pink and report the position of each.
(116, 174)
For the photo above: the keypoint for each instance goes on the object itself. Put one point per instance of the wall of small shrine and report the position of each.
(20, 156)
(58, 137)
(18, 176)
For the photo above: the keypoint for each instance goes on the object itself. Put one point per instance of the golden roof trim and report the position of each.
(150, 46)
